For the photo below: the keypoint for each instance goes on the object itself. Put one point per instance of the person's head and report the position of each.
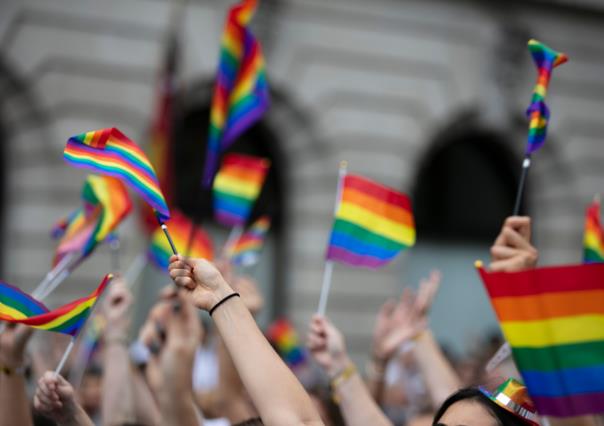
(471, 407)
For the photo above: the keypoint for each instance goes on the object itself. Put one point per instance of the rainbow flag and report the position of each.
(593, 239)
(110, 152)
(546, 60)
(106, 204)
(246, 251)
(241, 92)
(18, 307)
(553, 318)
(180, 230)
(284, 337)
(373, 223)
(237, 186)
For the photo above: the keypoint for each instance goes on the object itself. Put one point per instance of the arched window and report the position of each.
(464, 189)
(190, 136)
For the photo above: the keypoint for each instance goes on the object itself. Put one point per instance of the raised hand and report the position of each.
(116, 308)
(13, 341)
(326, 345)
(55, 398)
(202, 282)
(512, 250)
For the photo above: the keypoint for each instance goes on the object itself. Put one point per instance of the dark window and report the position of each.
(465, 188)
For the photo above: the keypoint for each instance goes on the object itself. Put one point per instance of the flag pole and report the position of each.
(65, 356)
(526, 164)
(328, 271)
(164, 228)
(234, 236)
(53, 273)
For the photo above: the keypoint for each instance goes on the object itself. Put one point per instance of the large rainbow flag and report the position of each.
(593, 239)
(546, 59)
(553, 318)
(110, 152)
(18, 307)
(241, 92)
(373, 223)
(246, 250)
(105, 204)
(180, 230)
(237, 186)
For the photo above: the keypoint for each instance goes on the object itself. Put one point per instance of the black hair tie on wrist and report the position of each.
(223, 300)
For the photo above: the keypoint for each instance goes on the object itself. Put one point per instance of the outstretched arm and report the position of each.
(275, 391)
(327, 347)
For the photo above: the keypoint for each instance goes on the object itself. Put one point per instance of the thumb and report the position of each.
(63, 387)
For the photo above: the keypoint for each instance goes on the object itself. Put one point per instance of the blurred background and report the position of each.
(426, 96)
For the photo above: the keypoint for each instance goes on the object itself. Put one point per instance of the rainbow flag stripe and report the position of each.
(106, 204)
(372, 224)
(110, 152)
(553, 318)
(246, 251)
(284, 337)
(18, 307)
(593, 239)
(241, 91)
(180, 229)
(546, 60)
(237, 186)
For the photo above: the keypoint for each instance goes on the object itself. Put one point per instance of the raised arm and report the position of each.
(55, 399)
(327, 347)
(275, 391)
(14, 404)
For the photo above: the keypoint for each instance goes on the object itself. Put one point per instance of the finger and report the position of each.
(521, 224)
(503, 253)
(515, 240)
(185, 282)
(508, 265)
(387, 308)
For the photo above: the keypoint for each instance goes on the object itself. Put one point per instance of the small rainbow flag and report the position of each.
(373, 223)
(553, 318)
(237, 186)
(246, 251)
(106, 204)
(241, 92)
(110, 152)
(18, 307)
(285, 339)
(546, 60)
(593, 240)
(180, 229)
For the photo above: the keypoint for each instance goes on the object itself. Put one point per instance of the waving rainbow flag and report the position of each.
(246, 251)
(241, 92)
(237, 186)
(553, 318)
(373, 223)
(546, 60)
(18, 307)
(110, 152)
(593, 239)
(180, 229)
(106, 204)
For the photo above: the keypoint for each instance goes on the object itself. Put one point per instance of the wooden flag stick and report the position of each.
(328, 271)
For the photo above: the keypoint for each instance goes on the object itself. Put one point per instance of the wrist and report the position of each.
(338, 365)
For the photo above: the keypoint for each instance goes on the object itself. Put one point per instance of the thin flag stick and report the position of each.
(53, 273)
(166, 233)
(234, 236)
(328, 271)
(526, 164)
(65, 356)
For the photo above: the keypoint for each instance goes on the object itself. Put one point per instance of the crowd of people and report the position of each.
(409, 379)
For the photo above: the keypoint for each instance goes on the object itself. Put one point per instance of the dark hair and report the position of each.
(503, 417)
